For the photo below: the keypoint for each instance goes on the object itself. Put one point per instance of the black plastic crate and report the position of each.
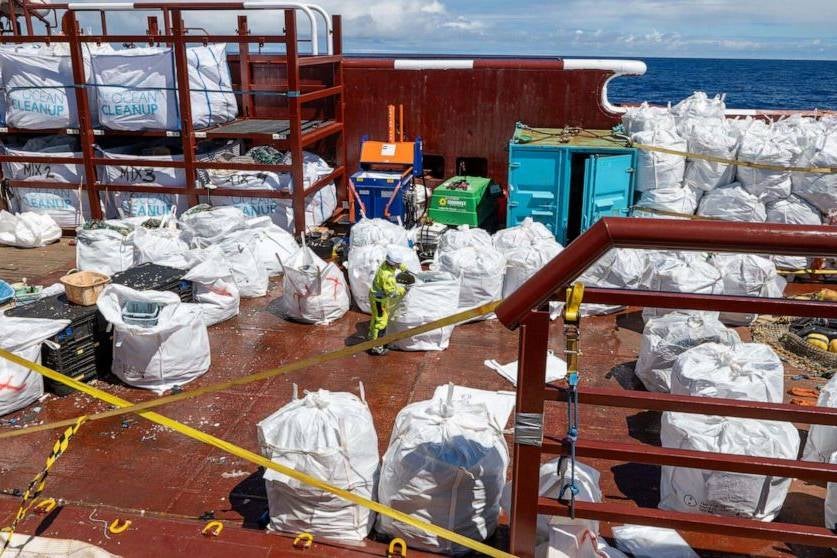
(149, 276)
(69, 354)
(83, 372)
(85, 321)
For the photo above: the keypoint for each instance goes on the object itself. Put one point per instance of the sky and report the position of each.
(785, 29)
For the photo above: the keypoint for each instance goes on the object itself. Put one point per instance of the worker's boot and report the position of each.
(380, 349)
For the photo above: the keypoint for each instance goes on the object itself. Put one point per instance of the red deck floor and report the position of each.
(130, 468)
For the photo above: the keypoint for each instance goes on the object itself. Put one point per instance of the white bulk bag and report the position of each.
(204, 226)
(732, 203)
(376, 231)
(462, 237)
(480, 271)
(676, 199)
(818, 189)
(654, 169)
(432, 297)
(23, 337)
(314, 291)
(319, 207)
(214, 290)
(747, 275)
(272, 244)
(792, 210)
(105, 250)
(619, 268)
(645, 117)
(679, 273)
(248, 273)
(744, 371)
(822, 439)
(714, 138)
(523, 262)
(446, 464)
(699, 105)
(27, 230)
(155, 244)
(667, 337)
(568, 541)
(364, 262)
(330, 436)
(172, 353)
(210, 86)
(831, 500)
(767, 147)
(528, 233)
(719, 492)
(641, 541)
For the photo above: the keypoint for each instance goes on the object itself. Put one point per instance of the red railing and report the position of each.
(525, 309)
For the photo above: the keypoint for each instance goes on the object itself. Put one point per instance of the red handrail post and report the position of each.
(295, 121)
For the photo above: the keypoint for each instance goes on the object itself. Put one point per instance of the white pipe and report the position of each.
(109, 6)
(315, 48)
(618, 67)
(329, 29)
(432, 64)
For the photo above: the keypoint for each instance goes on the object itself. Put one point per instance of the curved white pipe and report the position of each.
(315, 47)
(618, 67)
(329, 29)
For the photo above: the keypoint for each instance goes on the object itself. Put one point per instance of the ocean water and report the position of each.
(763, 84)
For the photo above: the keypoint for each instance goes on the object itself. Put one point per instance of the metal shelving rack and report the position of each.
(293, 127)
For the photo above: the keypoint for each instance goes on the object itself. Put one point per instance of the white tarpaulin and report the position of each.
(657, 170)
(676, 199)
(446, 464)
(747, 275)
(528, 233)
(20, 386)
(792, 211)
(822, 439)
(364, 262)
(107, 250)
(480, 271)
(314, 291)
(376, 231)
(732, 203)
(715, 138)
(719, 492)
(667, 337)
(430, 298)
(556, 368)
(330, 436)
(172, 353)
(744, 371)
(644, 118)
(819, 189)
(641, 541)
(679, 272)
(27, 230)
(214, 289)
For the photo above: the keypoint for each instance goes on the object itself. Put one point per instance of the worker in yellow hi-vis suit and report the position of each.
(383, 295)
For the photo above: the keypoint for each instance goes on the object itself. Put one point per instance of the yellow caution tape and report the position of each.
(223, 445)
(263, 375)
(39, 482)
(736, 162)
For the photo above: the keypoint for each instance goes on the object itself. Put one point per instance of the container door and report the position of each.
(607, 187)
(534, 186)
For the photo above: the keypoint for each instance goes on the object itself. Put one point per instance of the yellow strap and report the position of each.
(259, 460)
(673, 214)
(263, 375)
(736, 162)
(572, 306)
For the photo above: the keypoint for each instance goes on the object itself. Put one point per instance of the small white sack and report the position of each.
(525, 261)
(656, 170)
(330, 436)
(822, 439)
(644, 118)
(20, 386)
(720, 492)
(676, 199)
(792, 211)
(428, 299)
(314, 291)
(364, 262)
(667, 337)
(480, 271)
(744, 371)
(652, 542)
(27, 230)
(820, 190)
(679, 273)
(748, 275)
(376, 231)
(214, 290)
(172, 353)
(732, 203)
(714, 138)
(446, 463)
(528, 233)
(104, 250)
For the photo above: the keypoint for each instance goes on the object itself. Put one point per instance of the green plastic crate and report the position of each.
(450, 204)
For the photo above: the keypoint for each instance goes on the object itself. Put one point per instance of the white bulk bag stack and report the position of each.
(657, 170)
(430, 298)
(214, 290)
(106, 249)
(523, 262)
(155, 244)
(679, 200)
(647, 118)
(732, 203)
(27, 230)
(792, 211)
(376, 231)
(330, 436)
(667, 337)
(23, 337)
(719, 492)
(716, 139)
(172, 353)
(744, 371)
(480, 271)
(314, 291)
(446, 464)
(818, 189)
(528, 233)
(248, 273)
(822, 439)
(747, 275)
(364, 262)
(767, 147)
(203, 225)
(679, 273)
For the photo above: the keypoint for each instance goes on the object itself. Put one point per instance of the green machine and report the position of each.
(464, 200)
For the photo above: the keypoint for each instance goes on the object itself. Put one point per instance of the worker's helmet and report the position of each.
(395, 258)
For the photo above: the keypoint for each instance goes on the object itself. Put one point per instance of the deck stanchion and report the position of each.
(295, 121)
(187, 129)
(248, 103)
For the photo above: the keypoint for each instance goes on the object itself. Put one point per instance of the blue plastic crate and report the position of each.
(6, 292)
